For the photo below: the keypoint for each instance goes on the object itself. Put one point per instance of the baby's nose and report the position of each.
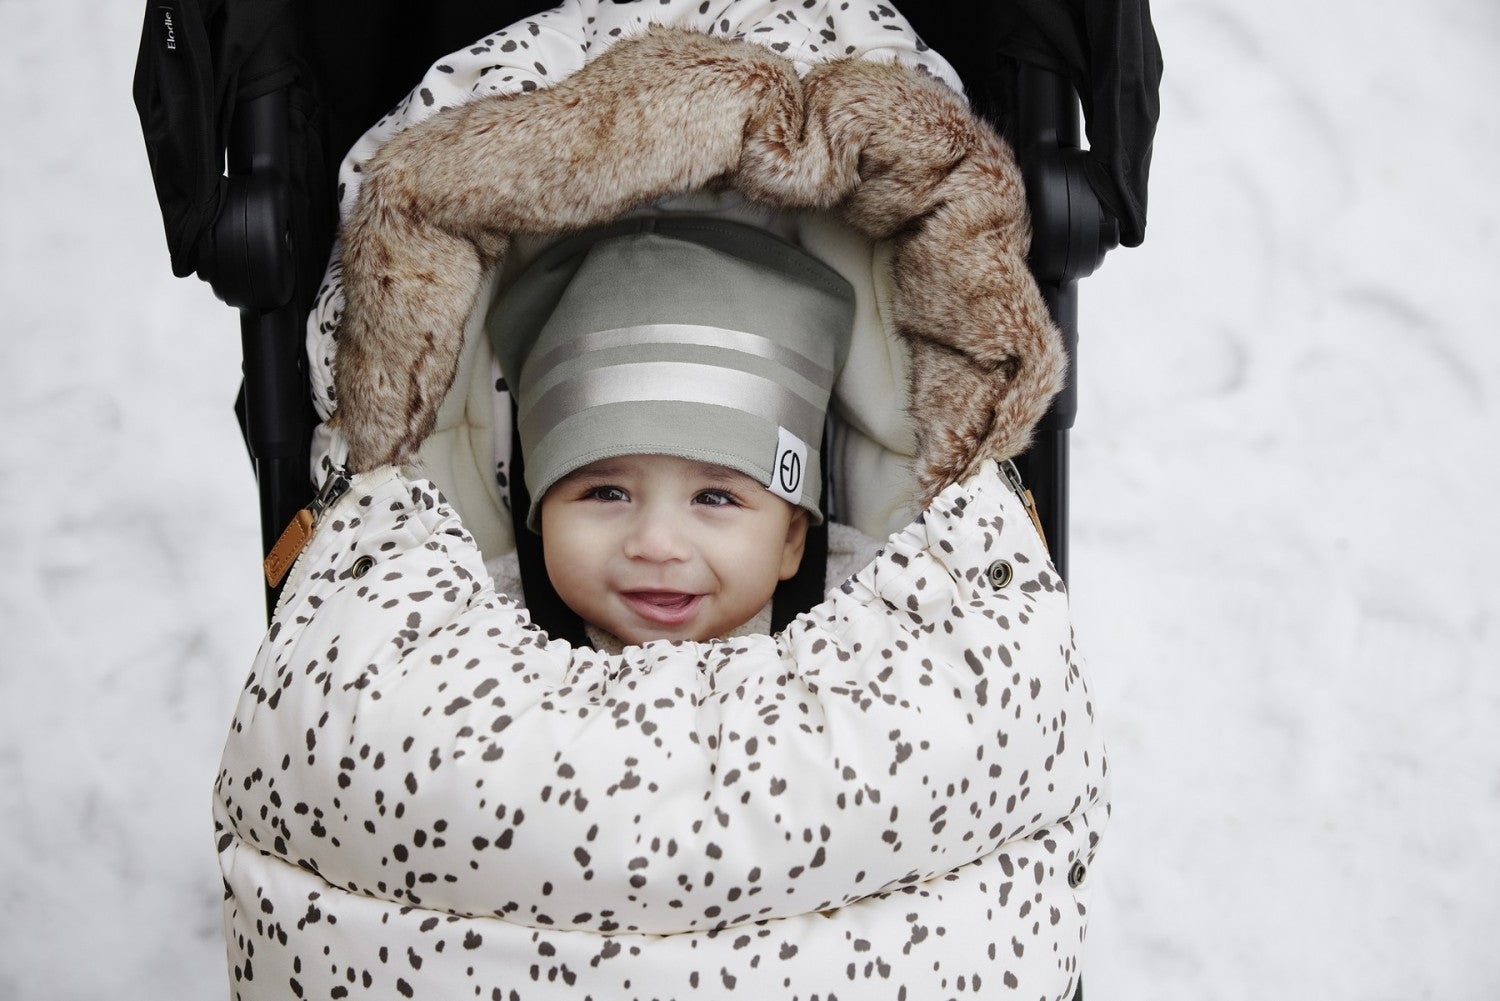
(656, 536)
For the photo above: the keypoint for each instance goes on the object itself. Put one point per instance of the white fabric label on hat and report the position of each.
(790, 467)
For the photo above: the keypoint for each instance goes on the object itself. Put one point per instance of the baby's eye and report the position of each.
(606, 493)
(715, 498)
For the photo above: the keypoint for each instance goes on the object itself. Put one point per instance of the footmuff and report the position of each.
(897, 796)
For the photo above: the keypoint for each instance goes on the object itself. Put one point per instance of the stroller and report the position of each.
(246, 259)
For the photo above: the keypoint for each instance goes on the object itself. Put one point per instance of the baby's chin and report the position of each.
(636, 633)
(633, 622)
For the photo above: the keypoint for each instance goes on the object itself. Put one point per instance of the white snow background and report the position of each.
(1284, 546)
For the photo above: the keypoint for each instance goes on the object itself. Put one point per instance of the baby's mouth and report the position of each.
(668, 608)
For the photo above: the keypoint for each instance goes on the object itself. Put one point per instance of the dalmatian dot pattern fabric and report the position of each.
(422, 796)
(899, 796)
(555, 44)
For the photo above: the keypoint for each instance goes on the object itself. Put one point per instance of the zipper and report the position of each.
(334, 487)
(286, 556)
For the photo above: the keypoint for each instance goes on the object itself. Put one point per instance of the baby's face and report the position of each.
(655, 547)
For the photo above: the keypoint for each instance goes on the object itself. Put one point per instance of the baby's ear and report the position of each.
(796, 542)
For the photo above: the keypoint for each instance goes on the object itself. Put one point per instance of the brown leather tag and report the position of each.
(293, 540)
(1036, 519)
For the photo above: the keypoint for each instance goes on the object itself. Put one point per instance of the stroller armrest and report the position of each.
(247, 258)
(1072, 229)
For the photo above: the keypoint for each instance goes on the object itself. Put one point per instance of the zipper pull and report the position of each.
(1013, 475)
(295, 537)
(334, 487)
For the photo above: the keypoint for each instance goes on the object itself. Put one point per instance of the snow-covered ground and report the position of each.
(1283, 569)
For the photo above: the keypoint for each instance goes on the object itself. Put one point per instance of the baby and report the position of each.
(671, 377)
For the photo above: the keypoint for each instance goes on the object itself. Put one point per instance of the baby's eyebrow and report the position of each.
(723, 474)
(595, 470)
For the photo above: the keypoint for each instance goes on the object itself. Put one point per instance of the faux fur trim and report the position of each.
(896, 153)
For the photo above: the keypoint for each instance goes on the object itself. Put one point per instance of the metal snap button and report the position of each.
(1076, 874)
(1000, 574)
(361, 567)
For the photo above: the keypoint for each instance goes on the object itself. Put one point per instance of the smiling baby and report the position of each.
(671, 378)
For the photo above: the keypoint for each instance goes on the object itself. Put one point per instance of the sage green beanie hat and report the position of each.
(689, 337)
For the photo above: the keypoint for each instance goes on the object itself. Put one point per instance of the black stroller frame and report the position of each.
(276, 91)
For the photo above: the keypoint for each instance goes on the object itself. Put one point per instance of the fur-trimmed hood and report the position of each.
(897, 154)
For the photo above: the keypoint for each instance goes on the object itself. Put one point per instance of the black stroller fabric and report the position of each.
(190, 72)
(194, 53)
(1108, 49)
